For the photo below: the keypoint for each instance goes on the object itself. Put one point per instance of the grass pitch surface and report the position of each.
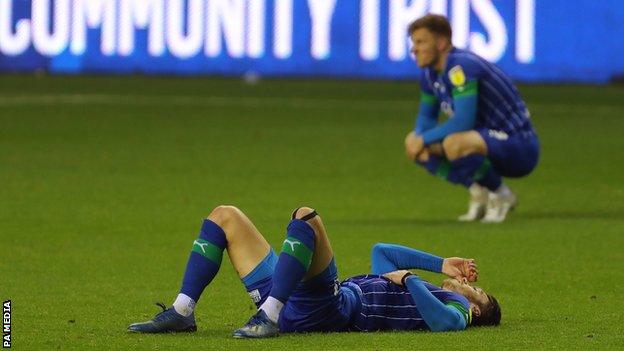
(105, 181)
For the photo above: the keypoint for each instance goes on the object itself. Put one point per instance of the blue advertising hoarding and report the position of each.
(532, 40)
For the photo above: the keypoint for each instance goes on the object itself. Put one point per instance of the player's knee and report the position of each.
(452, 146)
(408, 139)
(380, 248)
(377, 249)
(410, 146)
(410, 154)
(224, 214)
(309, 215)
(463, 144)
(301, 212)
(423, 156)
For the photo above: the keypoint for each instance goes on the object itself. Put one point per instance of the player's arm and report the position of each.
(428, 112)
(465, 100)
(429, 108)
(438, 316)
(389, 257)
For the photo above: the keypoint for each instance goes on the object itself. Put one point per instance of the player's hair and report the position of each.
(490, 313)
(436, 24)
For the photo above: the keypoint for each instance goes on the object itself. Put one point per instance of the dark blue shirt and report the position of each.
(499, 105)
(387, 306)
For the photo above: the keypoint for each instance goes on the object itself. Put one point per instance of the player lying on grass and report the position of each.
(299, 291)
(488, 133)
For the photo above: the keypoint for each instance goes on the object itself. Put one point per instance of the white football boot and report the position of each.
(500, 202)
(477, 204)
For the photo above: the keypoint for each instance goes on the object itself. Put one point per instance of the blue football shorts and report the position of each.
(513, 155)
(319, 304)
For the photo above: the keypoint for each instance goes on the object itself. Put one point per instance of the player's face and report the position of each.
(474, 294)
(425, 47)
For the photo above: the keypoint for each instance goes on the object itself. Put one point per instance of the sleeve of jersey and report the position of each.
(388, 258)
(464, 117)
(438, 316)
(429, 108)
(428, 111)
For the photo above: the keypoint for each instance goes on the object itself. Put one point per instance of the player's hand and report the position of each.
(396, 276)
(458, 268)
(414, 145)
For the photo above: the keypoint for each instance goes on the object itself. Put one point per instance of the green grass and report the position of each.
(104, 182)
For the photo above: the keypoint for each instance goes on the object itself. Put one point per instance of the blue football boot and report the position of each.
(167, 321)
(259, 326)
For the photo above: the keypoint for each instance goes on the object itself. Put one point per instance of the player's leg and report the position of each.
(511, 156)
(470, 166)
(323, 254)
(431, 158)
(225, 228)
(458, 145)
(488, 194)
(306, 255)
(435, 160)
(454, 159)
(229, 228)
(468, 156)
(484, 156)
(246, 247)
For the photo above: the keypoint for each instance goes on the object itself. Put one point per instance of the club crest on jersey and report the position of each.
(457, 76)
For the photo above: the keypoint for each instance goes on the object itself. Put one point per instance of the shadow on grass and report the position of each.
(514, 216)
(399, 222)
(200, 333)
(570, 215)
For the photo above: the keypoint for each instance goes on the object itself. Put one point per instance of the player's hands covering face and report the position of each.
(458, 268)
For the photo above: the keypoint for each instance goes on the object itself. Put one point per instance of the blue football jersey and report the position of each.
(387, 306)
(499, 107)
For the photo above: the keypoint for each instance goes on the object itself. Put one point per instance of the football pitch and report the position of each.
(104, 182)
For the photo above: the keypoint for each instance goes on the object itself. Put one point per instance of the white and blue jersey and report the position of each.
(387, 306)
(476, 95)
(498, 103)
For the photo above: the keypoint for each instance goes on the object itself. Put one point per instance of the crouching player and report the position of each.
(488, 133)
(299, 290)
